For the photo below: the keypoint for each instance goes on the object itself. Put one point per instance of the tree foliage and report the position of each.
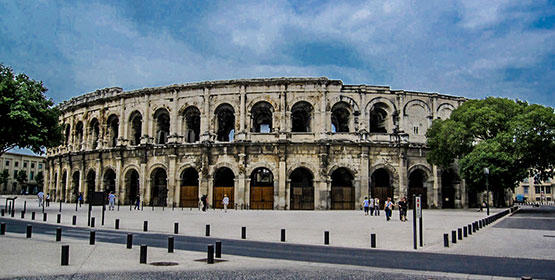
(28, 119)
(4, 178)
(511, 138)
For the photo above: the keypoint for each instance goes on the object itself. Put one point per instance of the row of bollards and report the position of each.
(469, 229)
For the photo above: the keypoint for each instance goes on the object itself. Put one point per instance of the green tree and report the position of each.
(4, 178)
(39, 178)
(511, 138)
(28, 118)
(21, 178)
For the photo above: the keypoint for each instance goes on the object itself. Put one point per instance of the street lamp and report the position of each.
(486, 171)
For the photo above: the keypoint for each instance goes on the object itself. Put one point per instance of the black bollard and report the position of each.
(129, 240)
(446, 240)
(74, 221)
(372, 240)
(176, 228)
(22, 214)
(13, 213)
(459, 230)
(210, 258)
(58, 234)
(469, 229)
(3, 229)
(145, 226)
(143, 254)
(243, 232)
(465, 234)
(60, 206)
(454, 236)
(29, 231)
(218, 249)
(92, 221)
(207, 230)
(44, 217)
(65, 254)
(24, 206)
(282, 235)
(32, 215)
(2, 212)
(117, 224)
(326, 237)
(92, 237)
(170, 244)
(59, 218)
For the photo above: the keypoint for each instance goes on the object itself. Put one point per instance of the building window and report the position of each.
(525, 190)
(7, 163)
(24, 165)
(547, 189)
(537, 189)
(16, 163)
(40, 165)
(33, 165)
(14, 173)
(31, 175)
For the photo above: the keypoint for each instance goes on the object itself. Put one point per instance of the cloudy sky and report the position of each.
(464, 48)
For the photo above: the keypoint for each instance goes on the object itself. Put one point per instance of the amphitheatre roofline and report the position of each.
(117, 92)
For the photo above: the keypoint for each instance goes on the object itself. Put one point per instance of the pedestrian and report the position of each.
(366, 206)
(482, 206)
(371, 204)
(40, 196)
(377, 206)
(111, 201)
(80, 199)
(48, 200)
(388, 208)
(403, 209)
(137, 202)
(203, 201)
(225, 202)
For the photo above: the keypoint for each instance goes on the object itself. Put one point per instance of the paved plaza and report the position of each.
(41, 254)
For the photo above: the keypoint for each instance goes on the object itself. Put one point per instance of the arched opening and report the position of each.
(191, 122)
(225, 126)
(112, 133)
(162, 124)
(135, 129)
(91, 184)
(79, 135)
(342, 190)
(340, 117)
(94, 133)
(449, 181)
(261, 114)
(381, 185)
(189, 196)
(159, 187)
(301, 117)
(68, 134)
(224, 183)
(262, 189)
(109, 181)
(64, 187)
(379, 118)
(75, 184)
(132, 185)
(302, 189)
(417, 180)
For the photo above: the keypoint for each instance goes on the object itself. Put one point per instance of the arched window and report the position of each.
(225, 127)
(135, 128)
(379, 118)
(68, 134)
(94, 133)
(191, 124)
(79, 135)
(301, 117)
(159, 187)
(261, 114)
(162, 124)
(262, 189)
(340, 117)
(113, 129)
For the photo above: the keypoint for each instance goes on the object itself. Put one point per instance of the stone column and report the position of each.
(241, 135)
(173, 137)
(282, 113)
(282, 179)
(436, 186)
(122, 123)
(323, 128)
(120, 190)
(171, 179)
(143, 182)
(206, 117)
(146, 125)
(363, 176)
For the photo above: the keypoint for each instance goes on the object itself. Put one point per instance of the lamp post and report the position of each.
(486, 171)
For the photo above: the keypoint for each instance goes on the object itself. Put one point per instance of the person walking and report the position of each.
(225, 202)
(366, 205)
(377, 206)
(371, 204)
(48, 200)
(403, 209)
(388, 208)
(203, 201)
(137, 202)
(111, 201)
(80, 199)
(40, 196)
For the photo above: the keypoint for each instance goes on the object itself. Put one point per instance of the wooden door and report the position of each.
(189, 196)
(262, 197)
(342, 198)
(218, 196)
(302, 198)
(382, 193)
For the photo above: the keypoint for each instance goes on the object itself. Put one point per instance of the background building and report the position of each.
(283, 143)
(32, 166)
(535, 191)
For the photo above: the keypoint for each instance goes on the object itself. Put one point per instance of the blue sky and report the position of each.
(465, 48)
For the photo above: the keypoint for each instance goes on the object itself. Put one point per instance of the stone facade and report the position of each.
(282, 143)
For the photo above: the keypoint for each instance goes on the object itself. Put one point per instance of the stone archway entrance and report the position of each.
(262, 189)
(188, 196)
(342, 190)
(159, 187)
(224, 184)
(449, 179)
(302, 190)
(417, 179)
(91, 184)
(110, 181)
(381, 186)
(132, 182)
(75, 186)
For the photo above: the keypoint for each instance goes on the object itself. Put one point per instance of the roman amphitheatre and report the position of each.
(277, 143)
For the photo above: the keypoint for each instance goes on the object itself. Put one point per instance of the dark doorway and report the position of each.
(132, 181)
(302, 190)
(109, 181)
(448, 180)
(64, 187)
(75, 185)
(224, 183)
(301, 115)
(159, 187)
(189, 188)
(262, 189)
(417, 178)
(381, 186)
(342, 190)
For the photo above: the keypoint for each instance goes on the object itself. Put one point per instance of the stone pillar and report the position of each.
(173, 135)
(282, 184)
(363, 175)
(122, 124)
(171, 180)
(435, 198)
(206, 116)
(120, 190)
(282, 113)
(241, 135)
(143, 183)
(323, 128)
(146, 125)
(210, 192)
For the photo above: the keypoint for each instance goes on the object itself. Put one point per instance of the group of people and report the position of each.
(372, 206)
(44, 201)
(204, 202)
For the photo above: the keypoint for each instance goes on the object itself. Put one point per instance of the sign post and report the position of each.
(419, 215)
(414, 232)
